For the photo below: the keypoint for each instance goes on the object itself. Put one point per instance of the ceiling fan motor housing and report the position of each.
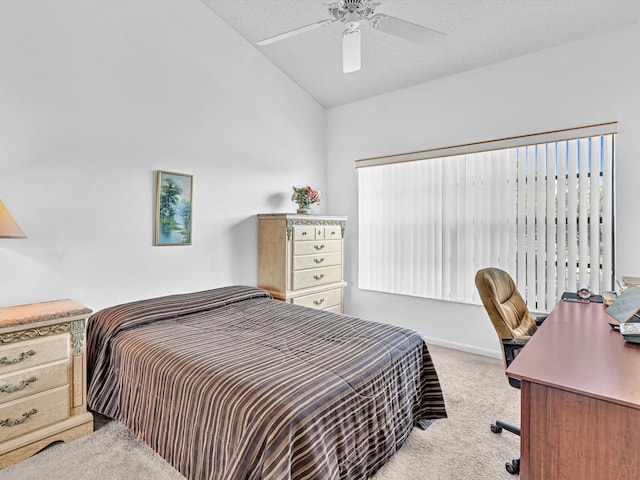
(349, 10)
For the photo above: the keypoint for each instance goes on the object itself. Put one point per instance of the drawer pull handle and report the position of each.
(23, 356)
(20, 386)
(318, 247)
(304, 233)
(7, 422)
(318, 260)
(320, 301)
(319, 277)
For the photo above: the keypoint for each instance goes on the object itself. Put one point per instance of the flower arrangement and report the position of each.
(305, 197)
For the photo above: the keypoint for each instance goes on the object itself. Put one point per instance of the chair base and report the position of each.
(509, 427)
(513, 466)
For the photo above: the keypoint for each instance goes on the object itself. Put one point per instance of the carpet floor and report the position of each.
(459, 447)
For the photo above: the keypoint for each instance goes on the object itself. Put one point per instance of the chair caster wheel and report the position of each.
(513, 467)
(495, 428)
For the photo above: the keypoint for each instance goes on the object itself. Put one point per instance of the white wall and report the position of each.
(94, 98)
(591, 81)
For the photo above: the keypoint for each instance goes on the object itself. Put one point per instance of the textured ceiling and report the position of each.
(479, 32)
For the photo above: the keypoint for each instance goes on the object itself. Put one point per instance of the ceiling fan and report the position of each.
(351, 13)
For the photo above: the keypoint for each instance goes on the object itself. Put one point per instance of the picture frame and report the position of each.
(174, 207)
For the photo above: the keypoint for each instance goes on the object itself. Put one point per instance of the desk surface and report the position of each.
(576, 350)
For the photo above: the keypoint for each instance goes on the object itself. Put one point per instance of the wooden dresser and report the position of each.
(42, 377)
(301, 259)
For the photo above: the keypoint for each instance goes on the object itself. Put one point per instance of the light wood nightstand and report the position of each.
(42, 377)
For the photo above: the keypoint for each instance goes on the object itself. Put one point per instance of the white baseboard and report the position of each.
(463, 347)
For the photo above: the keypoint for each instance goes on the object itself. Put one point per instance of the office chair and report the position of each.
(514, 325)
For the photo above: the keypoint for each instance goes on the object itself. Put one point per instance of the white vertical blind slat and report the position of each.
(540, 254)
(572, 215)
(607, 213)
(431, 255)
(462, 262)
(550, 220)
(583, 212)
(594, 214)
(420, 245)
(531, 226)
(512, 211)
(471, 219)
(562, 188)
(522, 217)
(438, 225)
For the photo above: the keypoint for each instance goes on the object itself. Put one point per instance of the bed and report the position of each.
(230, 384)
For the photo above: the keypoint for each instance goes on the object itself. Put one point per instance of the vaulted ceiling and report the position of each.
(479, 32)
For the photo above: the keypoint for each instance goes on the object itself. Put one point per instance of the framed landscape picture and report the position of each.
(173, 208)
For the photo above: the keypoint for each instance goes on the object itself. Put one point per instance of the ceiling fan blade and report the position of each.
(350, 50)
(297, 31)
(403, 29)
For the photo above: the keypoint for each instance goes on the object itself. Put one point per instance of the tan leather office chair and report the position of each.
(514, 325)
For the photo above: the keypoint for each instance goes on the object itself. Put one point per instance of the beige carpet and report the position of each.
(460, 447)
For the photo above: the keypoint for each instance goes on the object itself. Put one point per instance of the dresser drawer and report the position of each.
(26, 354)
(304, 232)
(320, 246)
(33, 412)
(33, 380)
(321, 300)
(302, 262)
(316, 276)
(332, 232)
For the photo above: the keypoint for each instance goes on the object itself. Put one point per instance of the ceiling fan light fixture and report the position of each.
(350, 50)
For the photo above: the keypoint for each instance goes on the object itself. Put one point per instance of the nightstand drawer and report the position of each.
(33, 380)
(26, 354)
(321, 246)
(302, 262)
(33, 412)
(316, 276)
(321, 300)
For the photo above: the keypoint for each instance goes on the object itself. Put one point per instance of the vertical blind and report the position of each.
(543, 212)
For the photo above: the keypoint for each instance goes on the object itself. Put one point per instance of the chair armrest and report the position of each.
(512, 347)
(540, 319)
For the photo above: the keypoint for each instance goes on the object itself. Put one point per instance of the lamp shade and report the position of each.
(8, 226)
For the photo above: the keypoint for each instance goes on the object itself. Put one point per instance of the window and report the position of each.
(540, 207)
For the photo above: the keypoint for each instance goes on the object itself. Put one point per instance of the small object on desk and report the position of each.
(628, 282)
(630, 332)
(626, 305)
(584, 293)
(577, 298)
(631, 280)
(609, 297)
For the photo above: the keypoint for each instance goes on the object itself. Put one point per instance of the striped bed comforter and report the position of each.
(229, 384)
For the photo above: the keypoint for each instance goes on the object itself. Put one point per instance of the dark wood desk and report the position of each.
(580, 399)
